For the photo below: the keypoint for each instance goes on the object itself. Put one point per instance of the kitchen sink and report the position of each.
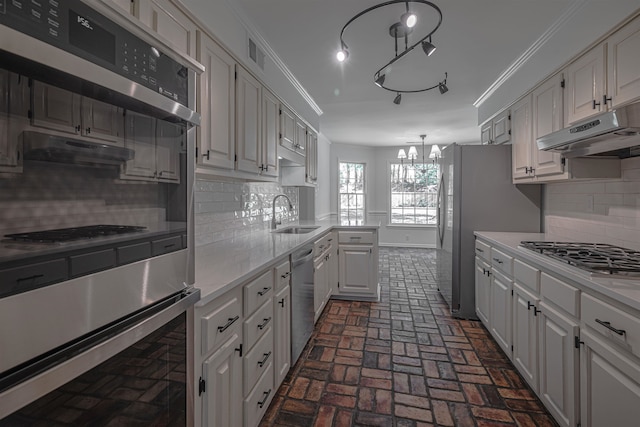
(296, 230)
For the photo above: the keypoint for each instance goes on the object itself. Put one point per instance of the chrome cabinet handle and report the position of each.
(498, 260)
(611, 328)
(264, 359)
(285, 275)
(264, 291)
(266, 396)
(264, 323)
(230, 322)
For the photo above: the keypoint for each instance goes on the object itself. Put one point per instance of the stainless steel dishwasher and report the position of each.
(302, 312)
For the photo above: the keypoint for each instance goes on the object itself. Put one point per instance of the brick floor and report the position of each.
(403, 361)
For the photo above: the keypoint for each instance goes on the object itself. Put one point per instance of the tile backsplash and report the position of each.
(597, 211)
(231, 209)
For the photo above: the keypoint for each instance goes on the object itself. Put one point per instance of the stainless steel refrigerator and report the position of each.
(476, 193)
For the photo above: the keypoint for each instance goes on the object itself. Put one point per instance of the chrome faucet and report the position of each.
(274, 223)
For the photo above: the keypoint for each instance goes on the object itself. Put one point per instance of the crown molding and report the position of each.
(251, 28)
(566, 16)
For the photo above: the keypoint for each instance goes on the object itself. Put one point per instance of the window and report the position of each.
(351, 192)
(414, 193)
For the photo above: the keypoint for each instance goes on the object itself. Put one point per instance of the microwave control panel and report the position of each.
(75, 27)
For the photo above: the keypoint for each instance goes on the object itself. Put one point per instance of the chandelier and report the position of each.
(399, 31)
(434, 153)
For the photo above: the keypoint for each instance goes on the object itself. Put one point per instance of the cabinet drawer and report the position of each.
(526, 275)
(221, 321)
(257, 402)
(619, 326)
(321, 245)
(164, 246)
(92, 262)
(256, 325)
(559, 293)
(483, 250)
(22, 279)
(257, 292)
(258, 360)
(354, 237)
(502, 262)
(282, 275)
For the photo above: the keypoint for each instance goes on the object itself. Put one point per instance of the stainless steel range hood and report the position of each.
(55, 148)
(612, 133)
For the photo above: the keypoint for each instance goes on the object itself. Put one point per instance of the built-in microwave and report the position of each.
(97, 133)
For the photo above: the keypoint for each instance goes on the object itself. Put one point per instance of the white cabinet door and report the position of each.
(547, 118)
(248, 114)
(270, 133)
(483, 291)
(102, 121)
(320, 285)
(609, 385)
(500, 317)
(356, 268)
(501, 125)
(140, 136)
(222, 373)
(55, 108)
(585, 86)
(525, 335)
(301, 137)
(311, 175)
(287, 128)
(217, 105)
(333, 264)
(166, 19)
(282, 337)
(624, 64)
(486, 133)
(170, 141)
(558, 364)
(521, 139)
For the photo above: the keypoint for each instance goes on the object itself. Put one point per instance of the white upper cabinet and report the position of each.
(497, 130)
(216, 104)
(270, 132)
(301, 137)
(167, 20)
(248, 108)
(623, 65)
(287, 128)
(547, 118)
(585, 86)
(521, 139)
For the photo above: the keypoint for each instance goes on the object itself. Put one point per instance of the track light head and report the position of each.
(409, 19)
(397, 99)
(380, 80)
(428, 47)
(442, 87)
(342, 54)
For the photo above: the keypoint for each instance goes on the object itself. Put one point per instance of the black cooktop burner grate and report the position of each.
(74, 233)
(594, 257)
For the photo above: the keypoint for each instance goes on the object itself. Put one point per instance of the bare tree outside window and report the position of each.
(351, 193)
(414, 192)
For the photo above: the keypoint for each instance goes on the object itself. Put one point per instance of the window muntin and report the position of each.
(351, 192)
(414, 193)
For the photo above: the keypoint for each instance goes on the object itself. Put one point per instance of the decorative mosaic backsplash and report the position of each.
(232, 209)
(606, 211)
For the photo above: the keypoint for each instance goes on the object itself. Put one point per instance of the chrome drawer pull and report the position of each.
(230, 322)
(264, 291)
(266, 396)
(264, 359)
(264, 324)
(285, 275)
(611, 328)
(498, 260)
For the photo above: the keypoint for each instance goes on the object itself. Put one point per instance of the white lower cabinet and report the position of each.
(500, 314)
(282, 338)
(558, 365)
(483, 290)
(525, 334)
(358, 264)
(609, 384)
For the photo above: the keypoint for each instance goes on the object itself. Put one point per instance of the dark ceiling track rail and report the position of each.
(398, 30)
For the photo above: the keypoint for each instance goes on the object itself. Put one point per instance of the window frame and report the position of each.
(389, 201)
(364, 189)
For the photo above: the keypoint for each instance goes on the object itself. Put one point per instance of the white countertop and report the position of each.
(625, 291)
(222, 265)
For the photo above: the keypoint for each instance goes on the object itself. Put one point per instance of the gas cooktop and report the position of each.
(73, 233)
(597, 258)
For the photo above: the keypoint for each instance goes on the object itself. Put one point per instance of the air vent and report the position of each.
(256, 54)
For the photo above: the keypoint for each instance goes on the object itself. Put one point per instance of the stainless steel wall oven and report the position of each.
(96, 221)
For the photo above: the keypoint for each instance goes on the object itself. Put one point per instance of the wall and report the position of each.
(597, 211)
(225, 209)
(376, 193)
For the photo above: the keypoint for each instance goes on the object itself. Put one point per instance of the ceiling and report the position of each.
(477, 41)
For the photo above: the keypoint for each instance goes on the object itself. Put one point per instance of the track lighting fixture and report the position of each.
(399, 31)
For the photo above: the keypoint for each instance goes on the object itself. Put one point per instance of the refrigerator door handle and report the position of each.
(439, 208)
